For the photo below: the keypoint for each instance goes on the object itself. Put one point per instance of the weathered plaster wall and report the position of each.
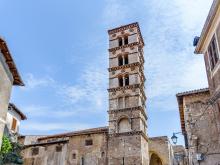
(6, 80)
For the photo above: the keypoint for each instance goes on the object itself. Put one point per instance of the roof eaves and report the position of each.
(207, 25)
(10, 62)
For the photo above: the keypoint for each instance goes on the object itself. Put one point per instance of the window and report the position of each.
(14, 124)
(213, 53)
(58, 148)
(126, 40)
(88, 142)
(123, 60)
(123, 41)
(74, 156)
(126, 80)
(35, 151)
(120, 81)
(120, 41)
(126, 59)
(82, 161)
(120, 60)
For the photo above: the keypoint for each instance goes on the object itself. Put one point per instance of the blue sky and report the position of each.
(60, 48)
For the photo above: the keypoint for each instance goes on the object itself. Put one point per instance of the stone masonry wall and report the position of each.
(202, 129)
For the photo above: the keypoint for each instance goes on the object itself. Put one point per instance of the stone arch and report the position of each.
(124, 124)
(155, 159)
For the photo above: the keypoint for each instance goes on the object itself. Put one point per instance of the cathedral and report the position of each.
(125, 140)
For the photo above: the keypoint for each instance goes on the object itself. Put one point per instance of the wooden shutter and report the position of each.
(14, 124)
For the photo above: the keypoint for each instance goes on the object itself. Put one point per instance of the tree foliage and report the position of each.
(10, 152)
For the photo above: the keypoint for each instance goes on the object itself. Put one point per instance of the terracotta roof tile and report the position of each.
(10, 62)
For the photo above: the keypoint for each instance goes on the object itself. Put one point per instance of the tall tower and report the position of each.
(128, 141)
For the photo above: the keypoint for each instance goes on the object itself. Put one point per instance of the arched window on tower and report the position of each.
(126, 59)
(120, 81)
(124, 125)
(126, 40)
(126, 80)
(120, 60)
(120, 41)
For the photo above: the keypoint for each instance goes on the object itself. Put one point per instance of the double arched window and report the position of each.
(123, 102)
(122, 59)
(123, 80)
(122, 40)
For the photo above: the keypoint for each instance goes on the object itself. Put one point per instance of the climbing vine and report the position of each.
(10, 152)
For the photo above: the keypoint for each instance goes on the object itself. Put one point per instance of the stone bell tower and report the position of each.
(128, 141)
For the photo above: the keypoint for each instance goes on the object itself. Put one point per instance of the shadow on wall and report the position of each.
(155, 160)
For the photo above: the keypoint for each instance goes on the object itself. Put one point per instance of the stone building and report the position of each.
(125, 140)
(9, 77)
(200, 109)
(199, 126)
(13, 120)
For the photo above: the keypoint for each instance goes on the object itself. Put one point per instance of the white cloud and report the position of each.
(32, 82)
(195, 75)
(73, 93)
(114, 12)
(46, 127)
(91, 89)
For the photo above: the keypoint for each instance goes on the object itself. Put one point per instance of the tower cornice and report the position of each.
(124, 88)
(129, 109)
(125, 27)
(125, 46)
(129, 134)
(123, 66)
(140, 86)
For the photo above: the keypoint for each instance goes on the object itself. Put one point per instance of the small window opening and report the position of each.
(82, 161)
(213, 53)
(103, 154)
(35, 151)
(120, 41)
(58, 148)
(126, 40)
(126, 80)
(120, 61)
(88, 142)
(120, 81)
(74, 156)
(126, 59)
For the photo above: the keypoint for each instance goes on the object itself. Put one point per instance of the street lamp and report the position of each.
(174, 137)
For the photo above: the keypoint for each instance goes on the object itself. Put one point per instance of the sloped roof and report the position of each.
(76, 133)
(10, 62)
(180, 103)
(124, 27)
(12, 106)
(207, 25)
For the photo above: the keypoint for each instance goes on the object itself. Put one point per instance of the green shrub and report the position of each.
(10, 152)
